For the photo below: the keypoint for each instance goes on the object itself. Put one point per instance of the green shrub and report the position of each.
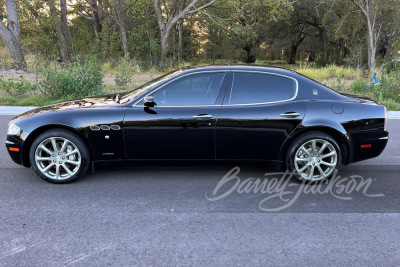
(359, 86)
(389, 87)
(79, 80)
(17, 87)
(391, 105)
(123, 79)
(124, 72)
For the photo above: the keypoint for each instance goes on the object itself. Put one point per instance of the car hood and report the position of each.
(83, 103)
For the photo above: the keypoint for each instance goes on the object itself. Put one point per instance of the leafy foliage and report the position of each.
(17, 87)
(79, 80)
(389, 87)
(359, 86)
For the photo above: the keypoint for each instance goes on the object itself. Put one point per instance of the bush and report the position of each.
(17, 87)
(124, 72)
(331, 71)
(123, 79)
(359, 86)
(79, 80)
(389, 87)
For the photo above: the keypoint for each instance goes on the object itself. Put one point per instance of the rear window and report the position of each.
(251, 88)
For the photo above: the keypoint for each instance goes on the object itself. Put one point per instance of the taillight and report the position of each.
(385, 118)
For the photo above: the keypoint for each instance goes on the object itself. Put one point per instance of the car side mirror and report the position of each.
(148, 101)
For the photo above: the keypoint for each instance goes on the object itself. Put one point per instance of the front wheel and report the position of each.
(59, 156)
(314, 157)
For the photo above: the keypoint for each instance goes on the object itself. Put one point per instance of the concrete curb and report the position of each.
(393, 114)
(11, 110)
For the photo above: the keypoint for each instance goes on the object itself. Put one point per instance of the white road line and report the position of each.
(13, 251)
(81, 257)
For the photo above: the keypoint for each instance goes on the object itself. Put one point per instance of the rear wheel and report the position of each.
(314, 157)
(59, 156)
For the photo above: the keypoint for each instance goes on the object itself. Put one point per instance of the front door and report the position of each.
(181, 125)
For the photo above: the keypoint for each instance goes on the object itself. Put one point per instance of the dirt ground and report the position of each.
(7, 74)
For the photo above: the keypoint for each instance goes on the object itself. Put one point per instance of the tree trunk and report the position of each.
(250, 58)
(371, 49)
(388, 50)
(367, 10)
(167, 22)
(164, 47)
(122, 28)
(11, 36)
(324, 45)
(62, 29)
(174, 54)
(293, 53)
(97, 25)
(311, 55)
(180, 52)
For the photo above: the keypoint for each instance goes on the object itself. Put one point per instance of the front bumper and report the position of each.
(14, 143)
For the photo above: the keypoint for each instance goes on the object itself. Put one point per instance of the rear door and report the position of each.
(258, 113)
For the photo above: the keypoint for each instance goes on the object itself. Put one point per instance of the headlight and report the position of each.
(13, 129)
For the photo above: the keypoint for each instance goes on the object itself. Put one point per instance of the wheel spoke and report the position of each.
(330, 154)
(328, 164)
(321, 172)
(301, 159)
(75, 151)
(70, 173)
(314, 146)
(322, 148)
(48, 167)
(311, 175)
(45, 149)
(303, 169)
(64, 146)
(305, 151)
(39, 158)
(54, 144)
(57, 176)
(73, 162)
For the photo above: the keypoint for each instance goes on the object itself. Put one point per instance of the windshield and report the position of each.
(130, 95)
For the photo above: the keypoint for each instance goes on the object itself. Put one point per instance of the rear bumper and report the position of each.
(367, 145)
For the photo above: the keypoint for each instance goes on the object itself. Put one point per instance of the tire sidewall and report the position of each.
(82, 147)
(305, 138)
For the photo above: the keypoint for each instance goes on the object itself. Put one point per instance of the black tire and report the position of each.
(75, 142)
(304, 139)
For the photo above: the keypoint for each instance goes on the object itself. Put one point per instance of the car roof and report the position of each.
(238, 68)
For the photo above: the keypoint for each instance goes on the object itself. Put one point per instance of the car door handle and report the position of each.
(203, 116)
(290, 114)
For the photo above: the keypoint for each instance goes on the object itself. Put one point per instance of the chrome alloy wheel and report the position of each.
(315, 160)
(58, 158)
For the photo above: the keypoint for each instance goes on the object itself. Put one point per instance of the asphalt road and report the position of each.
(167, 214)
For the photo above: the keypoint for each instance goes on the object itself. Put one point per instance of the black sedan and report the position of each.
(204, 113)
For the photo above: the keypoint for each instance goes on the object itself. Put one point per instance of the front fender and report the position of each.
(79, 121)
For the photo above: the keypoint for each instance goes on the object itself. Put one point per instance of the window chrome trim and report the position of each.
(262, 103)
(178, 78)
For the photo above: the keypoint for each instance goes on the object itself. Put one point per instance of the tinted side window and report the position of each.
(197, 89)
(251, 88)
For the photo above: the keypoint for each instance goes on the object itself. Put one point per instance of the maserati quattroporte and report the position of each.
(204, 113)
